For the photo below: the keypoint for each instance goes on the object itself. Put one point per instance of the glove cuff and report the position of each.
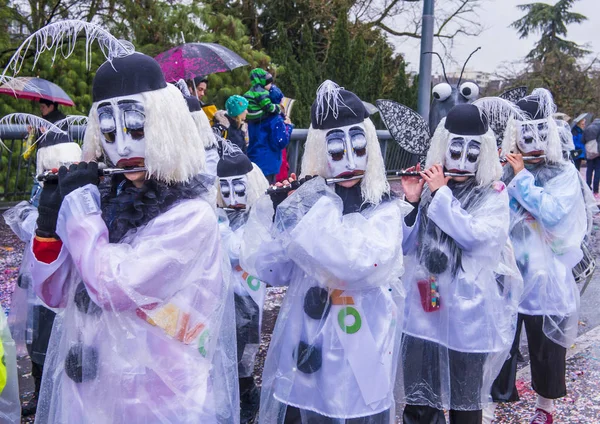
(46, 221)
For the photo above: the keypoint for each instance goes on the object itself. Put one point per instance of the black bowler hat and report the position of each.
(466, 119)
(124, 76)
(349, 109)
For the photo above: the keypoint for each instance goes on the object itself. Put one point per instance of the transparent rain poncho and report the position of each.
(334, 350)
(249, 291)
(145, 331)
(549, 221)
(463, 287)
(22, 320)
(10, 404)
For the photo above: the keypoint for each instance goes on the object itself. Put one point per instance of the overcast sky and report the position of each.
(501, 44)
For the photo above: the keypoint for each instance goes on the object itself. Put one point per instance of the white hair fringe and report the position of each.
(57, 155)
(547, 107)
(173, 153)
(257, 186)
(61, 37)
(488, 168)
(553, 151)
(374, 184)
(206, 133)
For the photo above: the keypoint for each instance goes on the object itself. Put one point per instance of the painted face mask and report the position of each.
(122, 122)
(234, 190)
(462, 154)
(533, 136)
(347, 151)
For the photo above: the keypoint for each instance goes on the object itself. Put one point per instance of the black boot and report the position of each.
(29, 408)
(249, 400)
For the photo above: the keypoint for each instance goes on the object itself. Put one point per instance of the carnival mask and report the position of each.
(347, 151)
(533, 136)
(122, 122)
(234, 190)
(463, 153)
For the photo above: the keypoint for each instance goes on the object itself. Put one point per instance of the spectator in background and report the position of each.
(50, 111)
(264, 147)
(281, 130)
(590, 134)
(198, 87)
(230, 124)
(579, 153)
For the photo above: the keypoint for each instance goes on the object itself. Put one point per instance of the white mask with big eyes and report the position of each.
(532, 136)
(234, 190)
(462, 154)
(347, 151)
(122, 121)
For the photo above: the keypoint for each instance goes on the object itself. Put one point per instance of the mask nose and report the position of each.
(351, 164)
(462, 164)
(123, 148)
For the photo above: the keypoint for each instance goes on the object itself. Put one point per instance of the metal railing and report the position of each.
(17, 173)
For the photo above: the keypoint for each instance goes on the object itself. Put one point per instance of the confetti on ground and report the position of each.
(582, 405)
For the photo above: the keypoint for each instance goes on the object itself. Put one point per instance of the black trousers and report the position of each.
(422, 361)
(294, 415)
(548, 364)
(419, 414)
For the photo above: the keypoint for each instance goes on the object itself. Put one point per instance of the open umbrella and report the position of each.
(32, 88)
(194, 59)
(586, 115)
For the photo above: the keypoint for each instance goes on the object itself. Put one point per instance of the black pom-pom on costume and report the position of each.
(436, 261)
(520, 231)
(24, 280)
(309, 358)
(81, 363)
(317, 303)
(84, 303)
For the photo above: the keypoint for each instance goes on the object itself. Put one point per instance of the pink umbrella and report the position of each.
(31, 88)
(194, 59)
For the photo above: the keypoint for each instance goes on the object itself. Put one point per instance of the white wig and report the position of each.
(57, 155)
(373, 186)
(203, 125)
(173, 153)
(257, 186)
(488, 168)
(554, 149)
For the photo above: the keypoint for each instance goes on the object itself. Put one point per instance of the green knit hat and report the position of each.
(236, 105)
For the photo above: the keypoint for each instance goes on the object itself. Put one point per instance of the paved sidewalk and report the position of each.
(582, 403)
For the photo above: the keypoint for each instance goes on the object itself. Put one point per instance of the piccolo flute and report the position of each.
(105, 172)
(391, 176)
(525, 158)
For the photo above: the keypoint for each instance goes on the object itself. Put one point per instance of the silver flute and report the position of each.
(391, 176)
(104, 172)
(525, 158)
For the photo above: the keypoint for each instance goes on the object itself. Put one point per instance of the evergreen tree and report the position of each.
(339, 66)
(551, 22)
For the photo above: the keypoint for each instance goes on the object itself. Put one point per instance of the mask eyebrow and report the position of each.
(126, 101)
(334, 133)
(453, 139)
(103, 104)
(356, 129)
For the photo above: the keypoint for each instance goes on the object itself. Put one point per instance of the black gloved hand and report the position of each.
(78, 175)
(280, 195)
(48, 208)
